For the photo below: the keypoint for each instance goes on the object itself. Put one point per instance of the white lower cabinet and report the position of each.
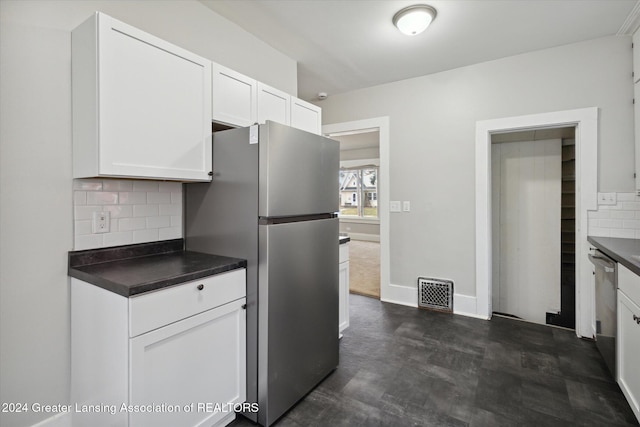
(197, 361)
(343, 274)
(628, 350)
(190, 371)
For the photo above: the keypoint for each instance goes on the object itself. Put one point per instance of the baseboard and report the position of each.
(62, 419)
(465, 305)
(402, 295)
(364, 236)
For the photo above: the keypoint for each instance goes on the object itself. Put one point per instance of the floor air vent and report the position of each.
(435, 294)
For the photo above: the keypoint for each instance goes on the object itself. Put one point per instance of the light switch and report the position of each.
(406, 206)
(394, 206)
(607, 198)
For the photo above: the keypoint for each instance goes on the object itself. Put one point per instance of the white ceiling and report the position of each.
(343, 45)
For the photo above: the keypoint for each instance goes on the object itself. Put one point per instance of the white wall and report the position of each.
(432, 153)
(36, 206)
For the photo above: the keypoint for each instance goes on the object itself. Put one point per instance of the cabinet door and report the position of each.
(273, 105)
(200, 359)
(235, 97)
(153, 106)
(306, 116)
(343, 310)
(628, 350)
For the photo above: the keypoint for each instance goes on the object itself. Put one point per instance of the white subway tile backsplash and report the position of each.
(172, 209)
(118, 238)
(158, 221)
(117, 185)
(150, 235)
(619, 220)
(623, 214)
(129, 224)
(85, 212)
(88, 241)
(623, 233)
(627, 197)
(145, 210)
(158, 198)
(102, 198)
(170, 233)
(141, 211)
(82, 227)
(79, 198)
(119, 211)
(631, 223)
(170, 187)
(146, 186)
(600, 214)
(132, 198)
(609, 223)
(87, 184)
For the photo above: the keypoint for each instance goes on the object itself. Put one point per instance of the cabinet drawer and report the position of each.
(629, 283)
(344, 253)
(156, 309)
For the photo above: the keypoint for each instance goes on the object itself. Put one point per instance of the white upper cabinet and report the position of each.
(274, 105)
(141, 106)
(235, 97)
(306, 116)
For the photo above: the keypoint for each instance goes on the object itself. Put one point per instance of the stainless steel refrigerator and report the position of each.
(273, 201)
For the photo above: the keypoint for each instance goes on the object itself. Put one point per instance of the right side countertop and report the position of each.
(624, 251)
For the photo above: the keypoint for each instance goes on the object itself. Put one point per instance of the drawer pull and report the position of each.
(200, 287)
(637, 319)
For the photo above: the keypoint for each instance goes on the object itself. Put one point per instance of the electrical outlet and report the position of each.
(394, 206)
(101, 222)
(607, 198)
(406, 206)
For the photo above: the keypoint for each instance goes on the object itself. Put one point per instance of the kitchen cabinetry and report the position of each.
(343, 274)
(141, 106)
(178, 353)
(273, 105)
(628, 344)
(306, 116)
(235, 97)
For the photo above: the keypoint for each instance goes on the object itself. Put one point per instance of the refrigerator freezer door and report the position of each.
(298, 172)
(298, 316)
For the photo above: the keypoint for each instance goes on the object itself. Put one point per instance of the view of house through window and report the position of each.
(359, 192)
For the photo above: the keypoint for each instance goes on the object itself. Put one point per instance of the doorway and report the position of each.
(533, 225)
(585, 121)
(358, 192)
(365, 174)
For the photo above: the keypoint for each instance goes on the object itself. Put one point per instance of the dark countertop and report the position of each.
(344, 239)
(134, 269)
(624, 251)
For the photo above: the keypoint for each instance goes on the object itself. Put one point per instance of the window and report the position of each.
(359, 185)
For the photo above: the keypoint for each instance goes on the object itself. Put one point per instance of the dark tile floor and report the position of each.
(401, 366)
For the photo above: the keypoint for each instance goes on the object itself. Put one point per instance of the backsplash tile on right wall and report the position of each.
(619, 220)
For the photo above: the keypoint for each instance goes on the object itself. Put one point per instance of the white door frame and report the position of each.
(382, 125)
(585, 121)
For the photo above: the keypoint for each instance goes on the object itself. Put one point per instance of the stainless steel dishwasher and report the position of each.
(606, 284)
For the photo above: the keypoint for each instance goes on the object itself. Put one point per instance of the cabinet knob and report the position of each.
(200, 287)
(636, 319)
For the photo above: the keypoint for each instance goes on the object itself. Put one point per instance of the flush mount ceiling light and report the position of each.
(414, 19)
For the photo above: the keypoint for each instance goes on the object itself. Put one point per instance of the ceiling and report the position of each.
(344, 45)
